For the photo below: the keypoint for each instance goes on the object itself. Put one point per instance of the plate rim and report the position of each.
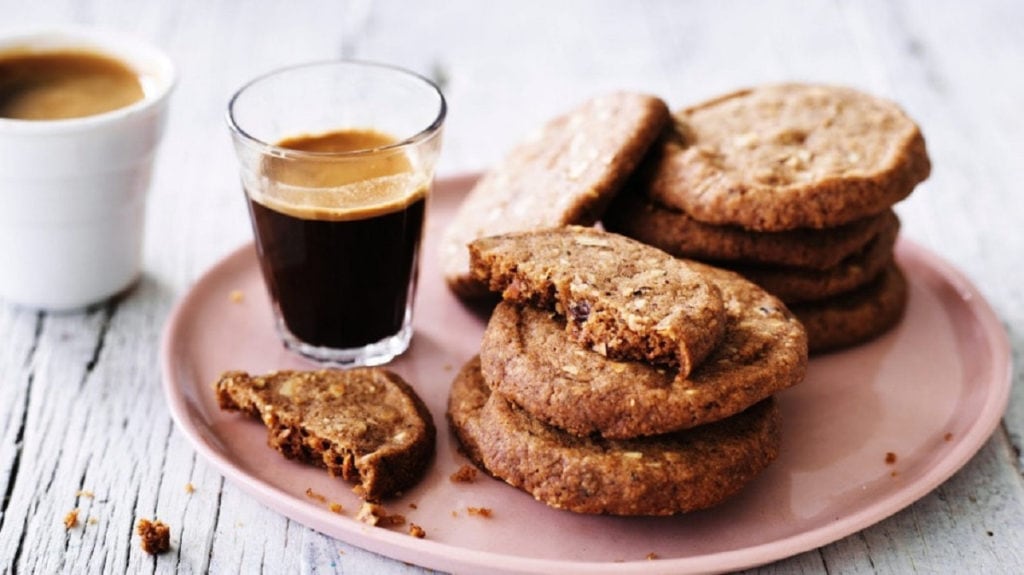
(435, 554)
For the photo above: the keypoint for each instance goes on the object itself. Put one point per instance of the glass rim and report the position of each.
(273, 149)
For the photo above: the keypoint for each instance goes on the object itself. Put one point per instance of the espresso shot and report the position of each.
(341, 276)
(337, 161)
(338, 238)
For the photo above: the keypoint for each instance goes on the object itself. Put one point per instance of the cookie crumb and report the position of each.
(395, 520)
(92, 521)
(155, 536)
(652, 556)
(189, 488)
(341, 551)
(893, 474)
(484, 512)
(374, 514)
(417, 531)
(71, 519)
(336, 507)
(465, 474)
(315, 496)
(413, 506)
(455, 513)
(948, 437)
(236, 296)
(890, 458)
(85, 493)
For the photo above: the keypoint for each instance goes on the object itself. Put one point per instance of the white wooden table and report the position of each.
(81, 406)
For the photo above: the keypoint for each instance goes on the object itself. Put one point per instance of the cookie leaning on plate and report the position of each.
(621, 298)
(564, 174)
(661, 475)
(365, 425)
(787, 156)
(526, 357)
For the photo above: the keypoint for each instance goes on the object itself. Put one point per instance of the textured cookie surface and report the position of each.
(796, 285)
(564, 174)
(788, 156)
(366, 425)
(622, 298)
(526, 357)
(636, 216)
(856, 317)
(660, 475)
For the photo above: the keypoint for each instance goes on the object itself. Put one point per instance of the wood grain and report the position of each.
(80, 401)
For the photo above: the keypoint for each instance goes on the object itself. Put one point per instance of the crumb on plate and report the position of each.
(315, 496)
(465, 474)
(374, 514)
(484, 512)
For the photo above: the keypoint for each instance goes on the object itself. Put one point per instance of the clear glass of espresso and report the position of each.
(337, 160)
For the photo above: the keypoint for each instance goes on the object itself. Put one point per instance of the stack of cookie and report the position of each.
(615, 378)
(792, 186)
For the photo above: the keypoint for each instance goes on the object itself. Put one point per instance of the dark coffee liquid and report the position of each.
(340, 284)
(338, 239)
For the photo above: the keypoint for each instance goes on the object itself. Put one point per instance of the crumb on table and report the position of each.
(336, 507)
(71, 519)
(189, 488)
(652, 556)
(85, 493)
(890, 458)
(417, 531)
(236, 296)
(155, 536)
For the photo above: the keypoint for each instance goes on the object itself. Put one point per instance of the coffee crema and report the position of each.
(63, 84)
(338, 236)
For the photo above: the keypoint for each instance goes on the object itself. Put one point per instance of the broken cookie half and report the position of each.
(365, 425)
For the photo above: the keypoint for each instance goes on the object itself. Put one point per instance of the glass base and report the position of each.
(377, 353)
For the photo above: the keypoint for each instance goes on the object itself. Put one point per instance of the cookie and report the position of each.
(675, 232)
(797, 285)
(526, 357)
(564, 174)
(782, 157)
(857, 317)
(622, 298)
(366, 425)
(661, 475)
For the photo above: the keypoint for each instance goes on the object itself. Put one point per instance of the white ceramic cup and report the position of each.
(73, 192)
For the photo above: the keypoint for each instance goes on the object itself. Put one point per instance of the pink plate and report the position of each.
(931, 392)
